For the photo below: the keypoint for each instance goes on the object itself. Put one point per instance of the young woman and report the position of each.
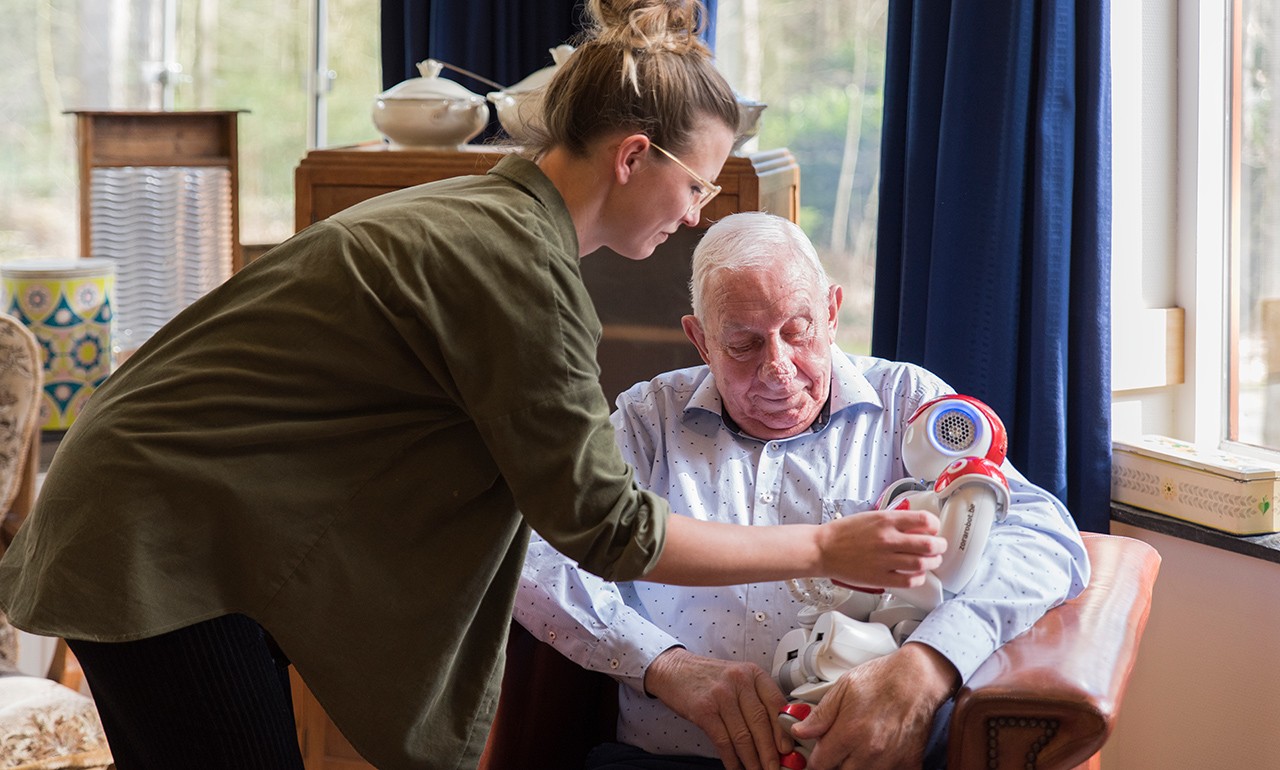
(335, 457)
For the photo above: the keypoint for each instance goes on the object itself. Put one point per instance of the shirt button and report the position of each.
(614, 663)
(551, 636)
(760, 616)
(766, 497)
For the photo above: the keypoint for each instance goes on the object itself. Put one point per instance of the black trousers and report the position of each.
(212, 696)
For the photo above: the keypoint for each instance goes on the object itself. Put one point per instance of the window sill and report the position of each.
(1266, 547)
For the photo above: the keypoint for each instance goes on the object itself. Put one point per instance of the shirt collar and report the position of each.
(848, 386)
(848, 389)
(527, 175)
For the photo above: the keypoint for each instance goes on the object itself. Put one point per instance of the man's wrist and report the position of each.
(657, 667)
(939, 671)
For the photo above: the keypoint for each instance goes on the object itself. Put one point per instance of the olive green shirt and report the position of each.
(335, 443)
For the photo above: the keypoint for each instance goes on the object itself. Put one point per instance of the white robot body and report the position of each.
(952, 447)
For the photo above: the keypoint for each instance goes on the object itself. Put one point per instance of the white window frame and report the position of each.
(1184, 145)
(1202, 229)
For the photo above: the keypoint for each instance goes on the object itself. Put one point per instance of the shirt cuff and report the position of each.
(960, 634)
(626, 657)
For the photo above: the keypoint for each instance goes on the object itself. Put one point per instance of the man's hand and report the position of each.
(878, 715)
(734, 703)
(884, 549)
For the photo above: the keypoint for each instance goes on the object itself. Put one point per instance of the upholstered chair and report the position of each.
(44, 724)
(21, 368)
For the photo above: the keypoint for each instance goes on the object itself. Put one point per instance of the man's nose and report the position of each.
(777, 368)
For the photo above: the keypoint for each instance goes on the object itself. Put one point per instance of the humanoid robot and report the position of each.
(952, 447)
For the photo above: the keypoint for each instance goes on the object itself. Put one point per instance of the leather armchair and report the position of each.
(1047, 700)
(1050, 698)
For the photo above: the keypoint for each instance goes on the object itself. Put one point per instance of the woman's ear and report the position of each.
(632, 152)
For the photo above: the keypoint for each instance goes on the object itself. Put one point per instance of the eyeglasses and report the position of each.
(709, 189)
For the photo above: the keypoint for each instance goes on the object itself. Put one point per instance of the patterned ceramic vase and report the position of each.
(67, 304)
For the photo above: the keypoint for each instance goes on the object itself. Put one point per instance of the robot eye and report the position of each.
(954, 429)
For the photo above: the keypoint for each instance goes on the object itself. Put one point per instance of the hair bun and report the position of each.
(639, 24)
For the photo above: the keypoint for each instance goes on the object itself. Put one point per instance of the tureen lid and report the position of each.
(429, 86)
(560, 54)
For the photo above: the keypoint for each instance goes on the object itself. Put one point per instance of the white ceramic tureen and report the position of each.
(429, 111)
(520, 105)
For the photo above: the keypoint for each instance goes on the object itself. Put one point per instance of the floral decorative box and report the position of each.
(1213, 488)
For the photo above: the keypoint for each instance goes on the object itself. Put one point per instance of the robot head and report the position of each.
(948, 428)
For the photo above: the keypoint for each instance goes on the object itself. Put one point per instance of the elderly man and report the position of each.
(780, 427)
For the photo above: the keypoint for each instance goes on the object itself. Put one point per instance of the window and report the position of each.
(165, 54)
(819, 65)
(1254, 385)
(1222, 220)
(1170, 151)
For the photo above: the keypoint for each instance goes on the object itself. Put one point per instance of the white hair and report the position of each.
(753, 240)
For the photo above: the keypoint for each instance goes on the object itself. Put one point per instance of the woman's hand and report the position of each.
(887, 549)
(883, 549)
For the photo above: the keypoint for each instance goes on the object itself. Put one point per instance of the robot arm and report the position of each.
(974, 495)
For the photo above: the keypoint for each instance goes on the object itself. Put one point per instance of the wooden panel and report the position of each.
(650, 294)
(1147, 349)
(158, 138)
(323, 746)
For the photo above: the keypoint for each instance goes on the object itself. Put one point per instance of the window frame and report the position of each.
(1204, 214)
(1198, 217)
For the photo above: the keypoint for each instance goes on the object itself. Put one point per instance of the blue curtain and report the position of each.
(993, 252)
(502, 40)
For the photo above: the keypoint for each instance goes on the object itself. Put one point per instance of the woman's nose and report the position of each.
(692, 216)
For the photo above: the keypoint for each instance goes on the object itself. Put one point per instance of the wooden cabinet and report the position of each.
(125, 139)
(640, 303)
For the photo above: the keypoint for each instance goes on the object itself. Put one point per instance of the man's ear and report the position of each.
(835, 297)
(632, 152)
(693, 330)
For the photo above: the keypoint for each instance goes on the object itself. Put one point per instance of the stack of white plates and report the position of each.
(168, 229)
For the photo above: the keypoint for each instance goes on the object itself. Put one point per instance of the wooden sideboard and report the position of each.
(640, 303)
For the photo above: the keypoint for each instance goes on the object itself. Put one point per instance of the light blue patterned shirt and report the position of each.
(671, 430)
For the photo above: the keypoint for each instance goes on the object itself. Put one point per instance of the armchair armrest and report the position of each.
(1049, 698)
